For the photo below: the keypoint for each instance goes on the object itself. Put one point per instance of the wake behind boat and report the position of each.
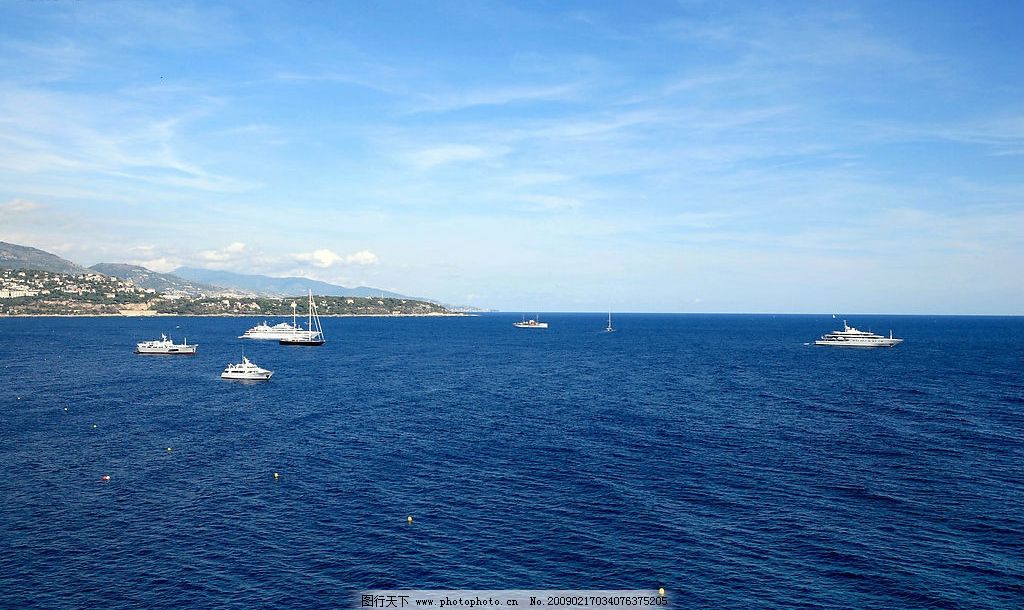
(165, 346)
(246, 371)
(851, 337)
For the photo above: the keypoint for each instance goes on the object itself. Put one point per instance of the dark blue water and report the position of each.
(718, 456)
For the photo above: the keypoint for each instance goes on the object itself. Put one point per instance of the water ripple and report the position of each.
(715, 455)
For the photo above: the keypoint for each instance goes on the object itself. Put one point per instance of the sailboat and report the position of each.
(609, 329)
(314, 333)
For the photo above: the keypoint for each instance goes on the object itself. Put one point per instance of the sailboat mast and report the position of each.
(319, 328)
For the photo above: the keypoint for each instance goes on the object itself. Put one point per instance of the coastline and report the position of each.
(227, 315)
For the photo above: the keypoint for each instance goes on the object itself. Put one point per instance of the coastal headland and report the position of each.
(26, 292)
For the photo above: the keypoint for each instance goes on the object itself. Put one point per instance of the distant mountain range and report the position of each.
(186, 280)
(160, 282)
(13, 256)
(278, 286)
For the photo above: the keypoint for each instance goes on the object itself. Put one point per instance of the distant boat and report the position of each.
(609, 329)
(246, 371)
(851, 337)
(165, 346)
(533, 323)
(314, 333)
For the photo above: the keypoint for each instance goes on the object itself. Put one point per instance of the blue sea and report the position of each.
(718, 456)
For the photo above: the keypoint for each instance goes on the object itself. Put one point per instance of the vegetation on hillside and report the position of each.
(26, 292)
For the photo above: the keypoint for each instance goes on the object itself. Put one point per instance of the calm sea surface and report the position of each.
(718, 456)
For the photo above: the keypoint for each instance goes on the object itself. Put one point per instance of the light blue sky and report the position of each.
(651, 156)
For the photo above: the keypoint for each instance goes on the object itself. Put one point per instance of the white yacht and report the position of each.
(609, 328)
(246, 370)
(166, 346)
(533, 323)
(851, 337)
(276, 332)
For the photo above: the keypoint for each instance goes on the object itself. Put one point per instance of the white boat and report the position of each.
(166, 346)
(533, 323)
(276, 332)
(313, 334)
(246, 370)
(609, 329)
(851, 337)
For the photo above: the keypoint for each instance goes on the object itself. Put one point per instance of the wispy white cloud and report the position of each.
(325, 258)
(35, 62)
(228, 253)
(148, 25)
(813, 35)
(45, 131)
(1002, 135)
(160, 265)
(18, 206)
(701, 220)
(553, 202)
(374, 78)
(362, 257)
(449, 101)
(429, 158)
(321, 258)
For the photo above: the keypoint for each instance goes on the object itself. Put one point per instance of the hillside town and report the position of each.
(25, 292)
(16, 283)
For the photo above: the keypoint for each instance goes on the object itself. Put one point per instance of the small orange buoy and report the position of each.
(105, 477)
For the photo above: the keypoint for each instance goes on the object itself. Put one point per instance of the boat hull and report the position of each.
(247, 376)
(306, 342)
(185, 350)
(854, 343)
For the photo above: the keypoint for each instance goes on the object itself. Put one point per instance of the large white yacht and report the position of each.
(276, 332)
(532, 323)
(166, 346)
(246, 370)
(851, 337)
